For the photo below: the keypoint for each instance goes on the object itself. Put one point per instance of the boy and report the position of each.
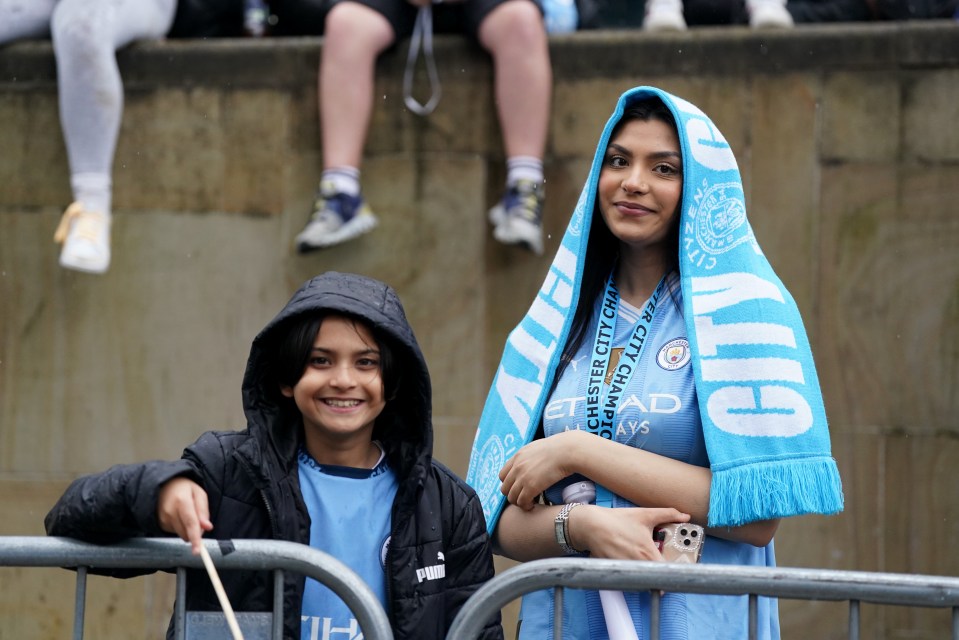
(337, 454)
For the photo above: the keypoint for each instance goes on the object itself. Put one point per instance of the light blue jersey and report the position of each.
(658, 412)
(350, 520)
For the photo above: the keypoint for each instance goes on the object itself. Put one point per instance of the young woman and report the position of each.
(337, 454)
(664, 362)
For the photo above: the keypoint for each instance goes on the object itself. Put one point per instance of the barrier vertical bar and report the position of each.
(278, 604)
(179, 605)
(80, 603)
(853, 619)
(955, 623)
(753, 616)
(558, 613)
(654, 614)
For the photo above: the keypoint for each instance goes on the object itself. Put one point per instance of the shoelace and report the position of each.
(422, 32)
(329, 208)
(88, 224)
(527, 204)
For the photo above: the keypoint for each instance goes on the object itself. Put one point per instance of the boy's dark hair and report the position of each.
(292, 350)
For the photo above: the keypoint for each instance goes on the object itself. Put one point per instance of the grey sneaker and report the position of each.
(336, 218)
(518, 217)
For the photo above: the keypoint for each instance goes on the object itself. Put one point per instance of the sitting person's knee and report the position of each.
(516, 20)
(357, 21)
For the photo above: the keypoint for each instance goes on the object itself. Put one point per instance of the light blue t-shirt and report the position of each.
(658, 412)
(350, 520)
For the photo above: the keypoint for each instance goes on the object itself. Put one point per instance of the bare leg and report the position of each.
(355, 36)
(515, 36)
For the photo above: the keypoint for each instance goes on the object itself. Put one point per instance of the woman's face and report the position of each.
(641, 183)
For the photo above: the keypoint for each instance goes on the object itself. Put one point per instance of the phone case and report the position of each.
(680, 542)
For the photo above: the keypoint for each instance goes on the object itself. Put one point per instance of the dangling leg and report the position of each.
(515, 36)
(86, 35)
(355, 36)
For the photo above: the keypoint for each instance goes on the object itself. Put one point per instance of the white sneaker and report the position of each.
(85, 236)
(664, 16)
(769, 14)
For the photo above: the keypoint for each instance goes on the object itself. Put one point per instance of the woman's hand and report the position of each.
(539, 465)
(621, 534)
(183, 509)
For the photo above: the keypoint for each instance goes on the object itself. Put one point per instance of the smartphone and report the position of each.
(680, 542)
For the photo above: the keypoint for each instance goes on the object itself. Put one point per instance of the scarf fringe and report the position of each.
(776, 489)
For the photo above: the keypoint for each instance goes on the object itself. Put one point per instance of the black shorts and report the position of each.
(306, 17)
(207, 19)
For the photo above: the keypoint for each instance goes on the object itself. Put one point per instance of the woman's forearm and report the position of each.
(527, 535)
(651, 480)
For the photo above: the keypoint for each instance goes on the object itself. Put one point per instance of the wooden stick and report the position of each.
(220, 593)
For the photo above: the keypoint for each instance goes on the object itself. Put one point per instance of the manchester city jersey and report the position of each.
(350, 520)
(658, 411)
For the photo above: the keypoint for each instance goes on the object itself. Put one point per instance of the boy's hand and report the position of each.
(183, 509)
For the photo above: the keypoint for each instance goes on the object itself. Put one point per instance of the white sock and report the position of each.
(344, 179)
(93, 190)
(523, 168)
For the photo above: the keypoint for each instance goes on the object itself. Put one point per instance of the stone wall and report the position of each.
(849, 150)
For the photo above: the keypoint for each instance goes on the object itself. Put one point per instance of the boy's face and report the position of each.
(340, 393)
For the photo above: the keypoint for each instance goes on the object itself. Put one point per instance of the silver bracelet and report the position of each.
(561, 528)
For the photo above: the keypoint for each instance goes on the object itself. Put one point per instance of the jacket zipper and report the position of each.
(269, 514)
(266, 501)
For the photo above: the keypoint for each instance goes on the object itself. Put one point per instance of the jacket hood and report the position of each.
(405, 426)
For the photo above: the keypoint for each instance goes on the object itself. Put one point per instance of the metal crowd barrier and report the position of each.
(166, 554)
(627, 575)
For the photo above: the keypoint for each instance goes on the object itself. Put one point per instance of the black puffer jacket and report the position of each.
(252, 481)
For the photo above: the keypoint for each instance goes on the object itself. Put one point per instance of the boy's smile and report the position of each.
(340, 393)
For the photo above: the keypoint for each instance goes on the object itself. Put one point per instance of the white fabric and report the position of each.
(86, 35)
(22, 19)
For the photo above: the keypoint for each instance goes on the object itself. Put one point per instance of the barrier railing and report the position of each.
(281, 557)
(623, 575)
(166, 554)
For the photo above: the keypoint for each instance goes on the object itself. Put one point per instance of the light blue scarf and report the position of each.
(762, 411)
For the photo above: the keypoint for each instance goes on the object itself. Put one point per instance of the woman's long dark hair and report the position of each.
(602, 250)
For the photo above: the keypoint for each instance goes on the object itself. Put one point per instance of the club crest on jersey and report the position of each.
(674, 354)
(434, 572)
